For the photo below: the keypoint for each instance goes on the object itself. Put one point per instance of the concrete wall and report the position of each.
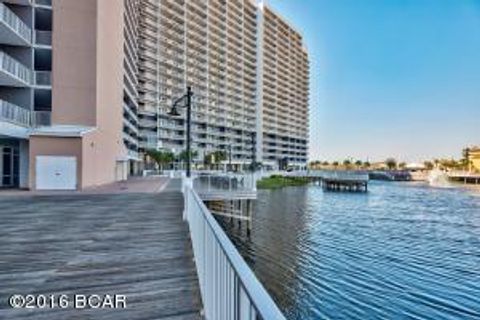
(55, 146)
(87, 87)
(107, 140)
(74, 44)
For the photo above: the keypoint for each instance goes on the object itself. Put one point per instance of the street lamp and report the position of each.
(254, 154)
(174, 113)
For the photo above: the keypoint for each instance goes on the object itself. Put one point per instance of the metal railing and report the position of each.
(43, 78)
(15, 68)
(14, 22)
(14, 114)
(43, 38)
(228, 287)
(224, 182)
(47, 3)
(41, 118)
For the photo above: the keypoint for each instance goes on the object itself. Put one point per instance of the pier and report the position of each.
(348, 181)
(465, 177)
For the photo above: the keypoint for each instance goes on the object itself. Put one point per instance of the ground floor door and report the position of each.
(9, 167)
(56, 173)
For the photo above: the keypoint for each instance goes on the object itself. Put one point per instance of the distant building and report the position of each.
(474, 158)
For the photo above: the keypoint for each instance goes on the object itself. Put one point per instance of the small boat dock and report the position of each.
(344, 181)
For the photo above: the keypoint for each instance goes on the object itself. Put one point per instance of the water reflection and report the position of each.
(400, 251)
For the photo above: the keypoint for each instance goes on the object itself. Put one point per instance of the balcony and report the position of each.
(13, 31)
(43, 38)
(41, 119)
(12, 72)
(43, 3)
(12, 113)
(43, 78)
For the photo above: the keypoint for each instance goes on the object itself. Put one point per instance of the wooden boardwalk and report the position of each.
(129, 244)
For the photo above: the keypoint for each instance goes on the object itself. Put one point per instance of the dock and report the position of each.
(465, 177)
(349, 181)
(132, 244)
(345, 181)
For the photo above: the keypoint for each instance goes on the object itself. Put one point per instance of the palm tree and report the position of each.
(358, 164)
(402, 165)
(391, 163)
(183, 156)
(367, 164)
(325, 163)
(335, 164)
(215, 158)
(466, 159)
(428, 165)
(161, 158)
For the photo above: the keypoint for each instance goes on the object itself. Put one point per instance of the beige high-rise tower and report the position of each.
(68, 100)
(250, 101)
(86, 86)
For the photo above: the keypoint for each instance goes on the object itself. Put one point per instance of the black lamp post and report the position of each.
(254, 154)
(174, 113)
(230, 157)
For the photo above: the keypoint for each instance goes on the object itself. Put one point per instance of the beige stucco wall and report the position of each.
(107, 139)
(55, 146)
(87, 87)
(74, 43)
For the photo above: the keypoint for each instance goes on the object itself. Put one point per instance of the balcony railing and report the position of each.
(41, 119)
(14, 22)
(43, 38)
(47, 3)
(14, 114)
(228, 287)
(43, 78)
(15, 68)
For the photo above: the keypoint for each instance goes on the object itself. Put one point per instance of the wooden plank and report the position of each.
(131, 244)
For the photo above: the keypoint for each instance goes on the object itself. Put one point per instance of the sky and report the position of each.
(390, 78)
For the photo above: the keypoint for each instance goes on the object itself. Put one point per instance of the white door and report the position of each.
(56, 173)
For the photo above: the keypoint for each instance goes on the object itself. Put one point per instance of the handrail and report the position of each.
(14, 67)
(12, 20)
(228, 287)
(14, 114)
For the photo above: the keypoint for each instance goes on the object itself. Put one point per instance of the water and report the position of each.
(402, 251)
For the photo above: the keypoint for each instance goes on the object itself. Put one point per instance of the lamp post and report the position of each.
(254, 154)
(174, 113)
(230, 157)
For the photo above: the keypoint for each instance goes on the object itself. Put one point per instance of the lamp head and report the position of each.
(174, 112)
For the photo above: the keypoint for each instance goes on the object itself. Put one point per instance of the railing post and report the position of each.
(187, 185)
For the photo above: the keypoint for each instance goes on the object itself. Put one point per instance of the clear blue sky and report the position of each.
(394, 78)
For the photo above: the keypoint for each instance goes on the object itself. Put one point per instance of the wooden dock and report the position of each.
(128, 244)
(350, 181)
(465, 177)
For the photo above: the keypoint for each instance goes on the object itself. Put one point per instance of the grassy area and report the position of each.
(276, 182)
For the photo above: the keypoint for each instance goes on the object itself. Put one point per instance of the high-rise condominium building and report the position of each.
(249, 73)
(283, 111)
(68, 101)
(86, 86)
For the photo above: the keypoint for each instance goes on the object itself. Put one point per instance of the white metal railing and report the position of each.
(14, 114)
(43, 78)
(14, 22)
(228, 287)
(224, 182)
(41, 119)
(43, 38)
(47, 3)
(15, 68)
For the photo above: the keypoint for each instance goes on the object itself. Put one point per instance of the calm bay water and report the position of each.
(402, 251)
